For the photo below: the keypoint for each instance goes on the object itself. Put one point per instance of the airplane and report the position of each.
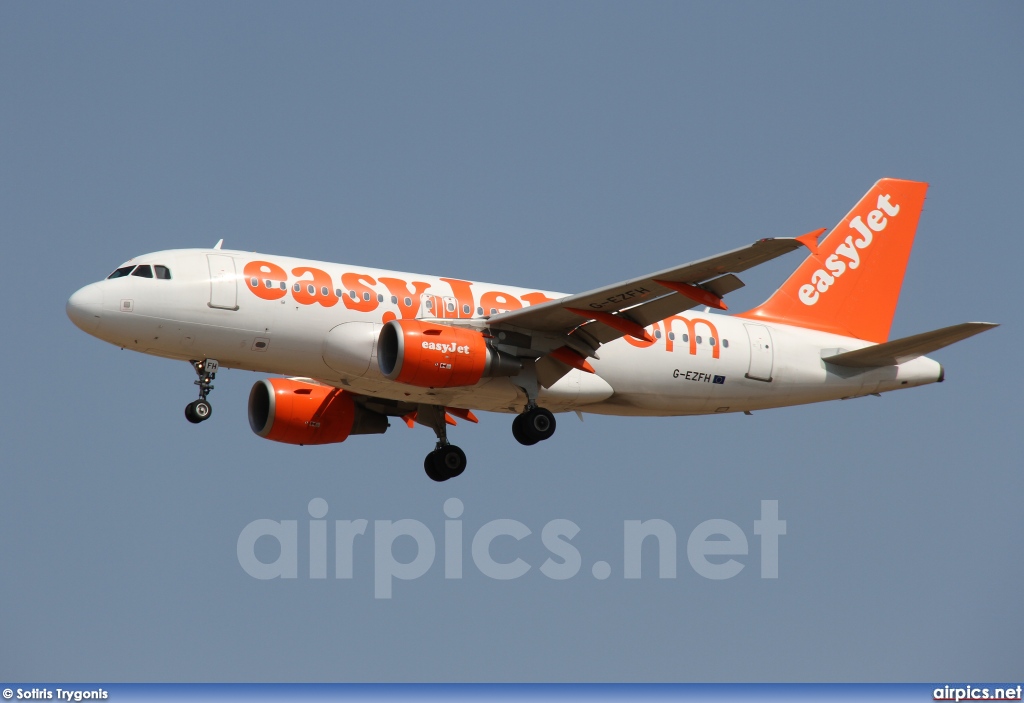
(356, 347)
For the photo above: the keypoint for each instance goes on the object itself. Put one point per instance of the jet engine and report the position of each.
(298, 412)
(439, 356)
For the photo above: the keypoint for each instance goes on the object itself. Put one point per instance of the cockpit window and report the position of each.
(162, 272)
(143, 271)
(123, 271)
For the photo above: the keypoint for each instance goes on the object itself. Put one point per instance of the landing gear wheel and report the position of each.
(202, 409)
(537, 424)
(434, 472)
(519, 434)
(444, 463)
(197, 411)
(451, 459)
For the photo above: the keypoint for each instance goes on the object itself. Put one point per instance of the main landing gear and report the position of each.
(446, 461)
(534, 425)
(199, 410)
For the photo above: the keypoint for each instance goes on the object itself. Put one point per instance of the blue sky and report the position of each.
(553, 145)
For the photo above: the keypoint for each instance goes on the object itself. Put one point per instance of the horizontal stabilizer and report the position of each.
(900, 350)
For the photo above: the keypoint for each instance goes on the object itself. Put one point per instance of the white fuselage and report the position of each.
(700, 362)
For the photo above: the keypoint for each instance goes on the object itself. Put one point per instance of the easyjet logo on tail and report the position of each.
(846, 255)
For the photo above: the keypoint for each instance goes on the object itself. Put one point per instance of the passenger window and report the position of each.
(479, 311)
(311, 289)
(725, 343)
(686, 338)
(450, 307)
(657, 334)
(466, 309)
(325, 291)
(337, 292)
(163, 272)
(711, 341)
(366, 297)
(284, 286)
(408, 302)
(297, 287)
(380, 298)
(123, 271)
(699, 340)
(144, 271)
(394, 300)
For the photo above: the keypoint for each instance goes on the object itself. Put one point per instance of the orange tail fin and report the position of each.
(850, 286)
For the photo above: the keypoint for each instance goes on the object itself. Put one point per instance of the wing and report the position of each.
(583, 322)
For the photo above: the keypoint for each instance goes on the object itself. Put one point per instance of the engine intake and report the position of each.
(296, 412)
(439, 356)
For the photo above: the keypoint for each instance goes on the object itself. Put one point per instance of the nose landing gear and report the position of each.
(199, 410)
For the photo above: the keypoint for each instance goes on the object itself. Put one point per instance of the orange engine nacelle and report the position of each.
(296, 412)
(438, 356)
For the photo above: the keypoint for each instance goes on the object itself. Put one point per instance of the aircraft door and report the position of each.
(762, 356)
(426, 306)
(438, 306)
(449, 307)
(223, 282)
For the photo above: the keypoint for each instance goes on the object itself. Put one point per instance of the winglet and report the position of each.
(219, 244)
(810, 240)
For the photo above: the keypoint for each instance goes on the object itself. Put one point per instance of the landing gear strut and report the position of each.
(199, 410)
(446, 461)
(534, 425)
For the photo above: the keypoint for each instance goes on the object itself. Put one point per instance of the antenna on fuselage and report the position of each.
(218, 244)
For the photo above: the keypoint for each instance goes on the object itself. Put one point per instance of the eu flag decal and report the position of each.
(718, 379)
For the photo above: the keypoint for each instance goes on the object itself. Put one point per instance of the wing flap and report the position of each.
(900, 350)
